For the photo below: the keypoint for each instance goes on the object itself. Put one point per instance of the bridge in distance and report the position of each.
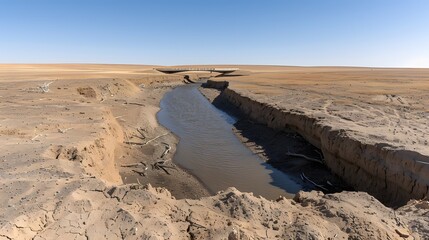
(177, 70)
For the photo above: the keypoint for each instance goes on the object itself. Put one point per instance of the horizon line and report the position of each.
(215, 64)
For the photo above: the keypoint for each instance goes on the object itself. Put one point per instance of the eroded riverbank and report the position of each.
(364, 164)
(148, 150)
(75, 191)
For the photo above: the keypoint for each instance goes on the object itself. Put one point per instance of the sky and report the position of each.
(377, 33)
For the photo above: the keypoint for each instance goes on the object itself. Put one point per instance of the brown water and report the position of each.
(210, 151)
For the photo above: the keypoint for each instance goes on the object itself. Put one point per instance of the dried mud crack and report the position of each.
(62, 174)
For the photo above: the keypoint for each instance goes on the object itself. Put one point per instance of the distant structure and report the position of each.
(177, 70)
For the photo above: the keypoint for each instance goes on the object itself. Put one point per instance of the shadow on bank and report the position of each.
(284, 150)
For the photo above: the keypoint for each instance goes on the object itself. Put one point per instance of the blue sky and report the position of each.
(302, 32)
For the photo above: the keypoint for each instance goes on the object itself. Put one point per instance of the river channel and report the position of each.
(210, 151)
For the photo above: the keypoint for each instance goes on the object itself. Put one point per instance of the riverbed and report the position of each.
(210, 150)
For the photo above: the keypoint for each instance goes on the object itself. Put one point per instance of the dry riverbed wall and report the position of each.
(392, 174)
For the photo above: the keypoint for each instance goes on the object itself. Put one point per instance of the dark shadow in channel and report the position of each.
(274, 146)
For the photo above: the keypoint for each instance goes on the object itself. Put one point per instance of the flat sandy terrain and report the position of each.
(68, 152)
(389, 104)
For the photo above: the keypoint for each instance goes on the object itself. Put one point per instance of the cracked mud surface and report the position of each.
(61, 174)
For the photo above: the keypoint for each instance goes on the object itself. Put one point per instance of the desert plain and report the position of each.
(81, 149)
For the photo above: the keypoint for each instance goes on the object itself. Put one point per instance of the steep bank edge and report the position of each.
(391, 174)
(180, 182)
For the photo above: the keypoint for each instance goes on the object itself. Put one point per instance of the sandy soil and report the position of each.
(390, 105)
(371, 122)
(84, 130)
(66, 153)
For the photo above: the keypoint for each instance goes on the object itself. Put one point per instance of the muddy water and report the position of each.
(210, 151)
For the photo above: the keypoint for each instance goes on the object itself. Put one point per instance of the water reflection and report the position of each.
(210, 150)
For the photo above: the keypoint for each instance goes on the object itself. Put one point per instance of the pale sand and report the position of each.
(62, 152)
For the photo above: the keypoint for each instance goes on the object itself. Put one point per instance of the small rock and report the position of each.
(233, 235)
